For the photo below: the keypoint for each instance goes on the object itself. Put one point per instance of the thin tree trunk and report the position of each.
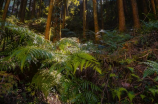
(121, 16)
(23, 11)
(40, 9)
(5, 10)
(1, 4)
(125, 6)
(96, 27)
(84, 19)
(87, 27)
(17, 8)
(64, 14)
(3, 19)
(135, 14)
(30, 3)
(145, 9)
(49, 19)
(21, 7)
(153, 7)
(33, 9)
(13, 7)
(101, 10)
(156, 2)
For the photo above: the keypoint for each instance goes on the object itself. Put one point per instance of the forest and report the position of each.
(78, 51)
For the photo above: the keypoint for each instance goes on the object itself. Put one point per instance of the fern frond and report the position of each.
(151, 69)
(45, 81)
(32, 53)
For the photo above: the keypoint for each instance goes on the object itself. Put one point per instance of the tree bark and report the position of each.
(84, 19)
(13, 7)
(22, 17)
(5, 10)
(135, 14)
(153, 7)
(121, 16)
(1, 4)
(101, 10)
(40, 9)
(18, 2)
(3, 19)
(96, 27)
(30, 3)
(156, 2)
(64, 14)
(145, 9)
(33, 9)
(49, 19)
(21, 6)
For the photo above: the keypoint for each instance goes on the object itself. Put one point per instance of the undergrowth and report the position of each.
(116, 71)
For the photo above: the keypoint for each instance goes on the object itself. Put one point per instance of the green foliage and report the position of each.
(46, 81)
(76, 89)
(153, 91)
(119, 91)
(131, 95)
(149, 26)
(7, 82)
(63, 59)
(153, 68)
(113, 39)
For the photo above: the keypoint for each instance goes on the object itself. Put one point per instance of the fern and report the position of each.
(60, 61)
(153, 67)
(119, 91)
(75, 90)
(46, 81)
(31, 53)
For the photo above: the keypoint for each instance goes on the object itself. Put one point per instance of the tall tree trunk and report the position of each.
(84, 19)
(3, 19)
(18, 2)
(81, 8)
(96, 27)
(156, 2)
(135, 14)
(13, 7)
(153, 7)
(145, 9)
(40, 8)
(64, 14)
(21, 7)
(121, 14)
(101, 10)
(125, 6)
(87, 26)
(1, 4)
(30, 3)
(23, 11)
(49, 19)
(33, 9)
(5, 10)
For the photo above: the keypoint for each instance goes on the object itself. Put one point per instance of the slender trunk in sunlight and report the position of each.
(5, 10)
(84, 19)
(64, 14)
(101, 10)
(96, 26)
(51, 5)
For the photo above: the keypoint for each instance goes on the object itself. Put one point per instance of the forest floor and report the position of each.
(129, 69)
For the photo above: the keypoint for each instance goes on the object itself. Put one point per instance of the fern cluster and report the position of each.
(55, 61)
